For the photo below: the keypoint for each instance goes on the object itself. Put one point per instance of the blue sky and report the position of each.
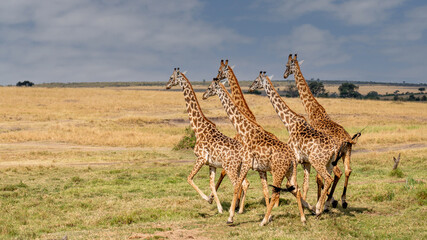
(100, 40)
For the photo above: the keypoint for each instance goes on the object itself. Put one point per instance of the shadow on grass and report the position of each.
(261, 201)
(344, 212)
(350, 210)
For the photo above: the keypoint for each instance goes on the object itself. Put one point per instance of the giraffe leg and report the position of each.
(291, 175)
(212, 185)
(221, 177)
(243, 172)
(274, 199)
(331, 200)
(245, 186)
(199, 164)
(328, 181)
(319, 181)
(305, 184)
(277, 182)
(263, 176)
(347, 175)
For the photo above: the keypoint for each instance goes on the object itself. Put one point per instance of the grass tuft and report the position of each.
(76, 179)
(13, 187)
(388, 196)
(396, 173)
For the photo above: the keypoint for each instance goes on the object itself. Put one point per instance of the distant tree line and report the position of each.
(25, 83)
(349, 90)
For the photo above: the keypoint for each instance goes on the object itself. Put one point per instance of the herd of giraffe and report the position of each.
(318, 143)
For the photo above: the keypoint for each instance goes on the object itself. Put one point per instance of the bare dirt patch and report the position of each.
(173, 234)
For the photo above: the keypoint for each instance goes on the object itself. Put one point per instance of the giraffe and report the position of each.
(312, 147)
(212, 147)
(260, 152)
(321, 121)
(226, 72)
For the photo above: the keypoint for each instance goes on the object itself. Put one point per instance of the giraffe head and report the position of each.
(211, 91)
(258, 83)
(175, 78)
(224, 70)
(290, 66)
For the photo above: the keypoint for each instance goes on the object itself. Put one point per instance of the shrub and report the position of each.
(187, 141)
(349, 90)
(291, 91)
(25, 83)
(317, 89)
(255, 92)
(411, 97)
(372, 95)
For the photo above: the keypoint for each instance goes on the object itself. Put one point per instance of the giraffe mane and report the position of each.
(240, 90)
(197, 101)
(234, 103)
(296, 114)
(305, 82)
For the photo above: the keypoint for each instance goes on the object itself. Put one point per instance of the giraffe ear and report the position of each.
(301, 62)
(271, 77)
(185, 72)
(232, 67)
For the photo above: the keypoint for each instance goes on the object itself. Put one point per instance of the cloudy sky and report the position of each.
(143, 40)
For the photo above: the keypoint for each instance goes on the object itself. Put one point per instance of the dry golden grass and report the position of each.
(147, 118)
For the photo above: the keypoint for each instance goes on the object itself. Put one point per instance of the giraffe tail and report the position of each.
(355, 137)
(277, 189)
(341, 152)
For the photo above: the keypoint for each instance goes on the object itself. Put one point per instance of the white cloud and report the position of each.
(83, 40)
(354, 12)
(319, 47)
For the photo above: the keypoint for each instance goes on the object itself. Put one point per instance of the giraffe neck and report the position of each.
(238, 97)
(288, 117)
(198, 120)
(243, 125)
(312, 107)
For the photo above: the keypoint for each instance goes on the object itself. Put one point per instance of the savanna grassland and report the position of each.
(97, 163)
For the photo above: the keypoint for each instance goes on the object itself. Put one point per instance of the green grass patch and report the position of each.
(153, 197)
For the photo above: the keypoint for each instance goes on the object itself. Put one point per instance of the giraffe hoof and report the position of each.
(334, 203)
(344, 205)
(326, 210)
(303, 221)
(229, 222)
